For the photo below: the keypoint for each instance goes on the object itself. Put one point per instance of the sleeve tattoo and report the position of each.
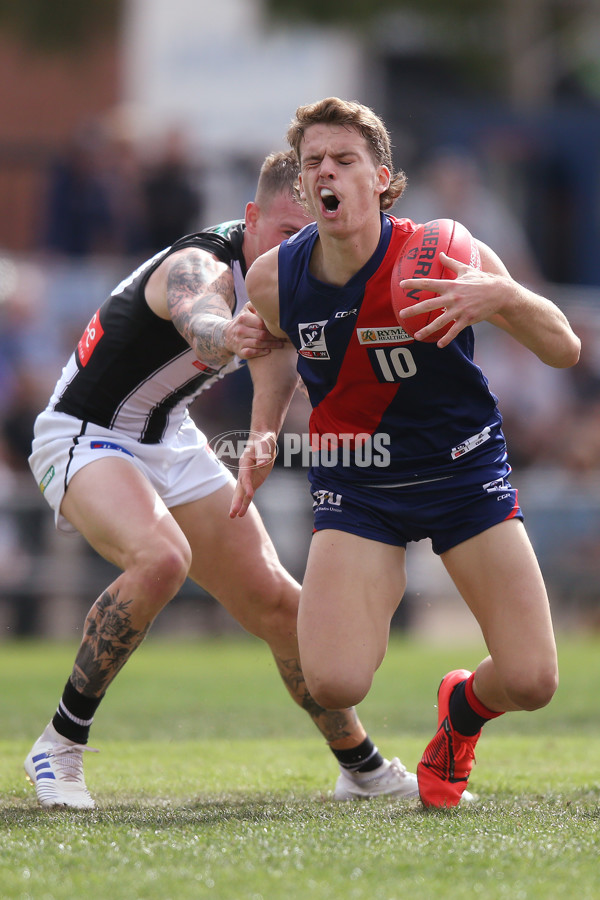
(200, 298)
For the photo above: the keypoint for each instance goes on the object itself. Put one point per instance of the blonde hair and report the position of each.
(278, 175)
(349, 114)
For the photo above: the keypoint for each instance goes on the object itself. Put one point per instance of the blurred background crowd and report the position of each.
(127, 123)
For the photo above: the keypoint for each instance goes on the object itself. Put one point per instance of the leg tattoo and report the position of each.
(108, 642)
(334, 724)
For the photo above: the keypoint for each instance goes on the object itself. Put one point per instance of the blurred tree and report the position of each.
(528, 52)
(358, 12)
(54, 27)
(464, 31)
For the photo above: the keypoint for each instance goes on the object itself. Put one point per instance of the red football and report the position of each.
(419, 258)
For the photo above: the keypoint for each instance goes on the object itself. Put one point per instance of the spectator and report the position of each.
(77, 218)
(452, 186)
(173, 202)
(95, 200)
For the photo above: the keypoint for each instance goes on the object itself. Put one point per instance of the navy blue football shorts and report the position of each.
(448, 509)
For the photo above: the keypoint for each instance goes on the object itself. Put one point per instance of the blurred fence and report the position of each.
(48, 581)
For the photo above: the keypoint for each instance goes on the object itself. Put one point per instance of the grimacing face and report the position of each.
(339, 179)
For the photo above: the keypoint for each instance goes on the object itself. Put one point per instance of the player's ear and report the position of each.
(384, 176)
(251, 216)
(301, 193)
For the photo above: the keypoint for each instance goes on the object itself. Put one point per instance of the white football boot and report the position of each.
(54, 766)
(391, 779)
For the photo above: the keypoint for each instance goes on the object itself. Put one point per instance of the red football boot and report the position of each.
(444, 770)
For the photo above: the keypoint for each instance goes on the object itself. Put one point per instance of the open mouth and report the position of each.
(329, 200)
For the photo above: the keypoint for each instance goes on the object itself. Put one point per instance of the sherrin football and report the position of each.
(420, 258)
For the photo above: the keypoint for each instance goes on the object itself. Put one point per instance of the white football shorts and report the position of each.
(181, 471)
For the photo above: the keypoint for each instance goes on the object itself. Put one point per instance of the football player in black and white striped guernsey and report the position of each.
(120, 460)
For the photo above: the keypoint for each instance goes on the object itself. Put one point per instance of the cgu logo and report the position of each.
(323, 497)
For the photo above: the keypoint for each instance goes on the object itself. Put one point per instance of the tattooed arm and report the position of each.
(196, 291)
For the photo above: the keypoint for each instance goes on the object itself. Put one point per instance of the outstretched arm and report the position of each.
(196, 291)
(490, 294)
(274, 379)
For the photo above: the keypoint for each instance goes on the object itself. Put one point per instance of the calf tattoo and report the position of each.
(108, 642)
(333, 724)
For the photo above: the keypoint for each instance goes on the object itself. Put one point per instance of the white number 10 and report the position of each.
(395, 363)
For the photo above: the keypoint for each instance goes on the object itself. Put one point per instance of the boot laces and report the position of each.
(68, 760)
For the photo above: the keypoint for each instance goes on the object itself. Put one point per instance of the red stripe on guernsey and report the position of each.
(515, 508)
(352, 406)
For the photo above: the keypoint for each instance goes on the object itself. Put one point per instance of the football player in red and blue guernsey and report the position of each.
(407, 440)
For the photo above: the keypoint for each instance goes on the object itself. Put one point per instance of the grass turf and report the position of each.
(211, 783)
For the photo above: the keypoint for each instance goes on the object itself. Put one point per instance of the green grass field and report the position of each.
(211, 783)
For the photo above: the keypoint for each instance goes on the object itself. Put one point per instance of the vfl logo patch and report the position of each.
(108, 445)
(390, 335)
(47, 479)
(475, 441)
(499, 484)
(312, 340)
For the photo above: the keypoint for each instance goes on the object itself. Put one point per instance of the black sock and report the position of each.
(74, 715)
(363, 758)
(462, 716)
